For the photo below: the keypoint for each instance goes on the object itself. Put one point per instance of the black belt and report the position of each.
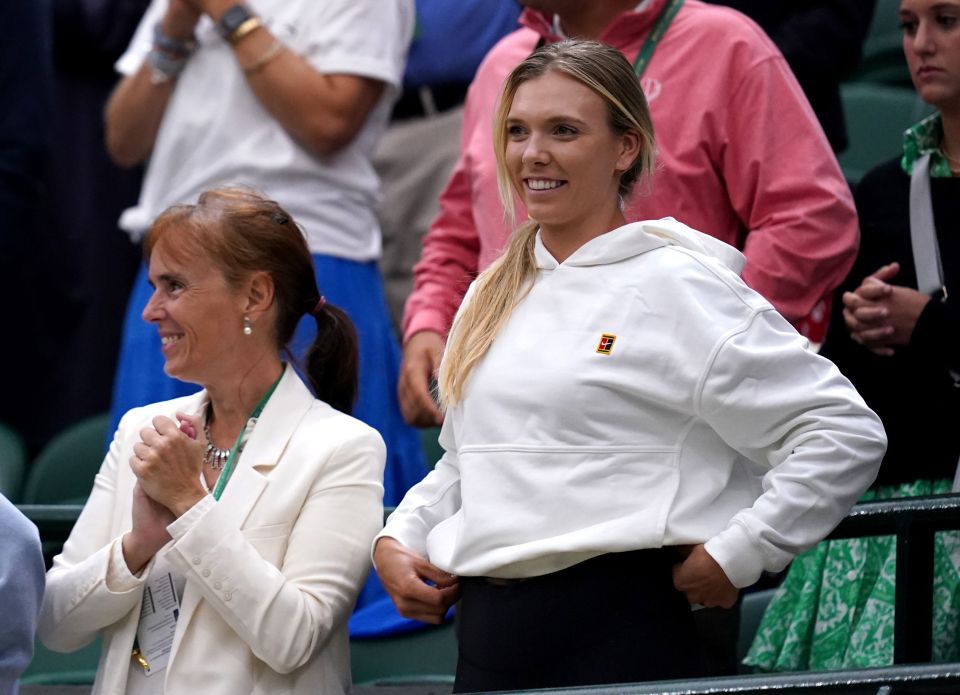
(418, 102)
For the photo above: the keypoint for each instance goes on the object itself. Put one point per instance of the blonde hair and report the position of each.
(502, 286)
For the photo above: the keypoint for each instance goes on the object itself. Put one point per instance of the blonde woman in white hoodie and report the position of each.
(629, 428)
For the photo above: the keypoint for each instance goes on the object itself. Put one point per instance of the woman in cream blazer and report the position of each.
(270, 570)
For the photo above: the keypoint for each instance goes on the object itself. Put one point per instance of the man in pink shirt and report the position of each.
(741, 157)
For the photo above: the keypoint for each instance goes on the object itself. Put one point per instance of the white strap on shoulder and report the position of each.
(923, 233)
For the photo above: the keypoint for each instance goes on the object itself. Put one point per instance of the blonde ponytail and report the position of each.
(496, 293)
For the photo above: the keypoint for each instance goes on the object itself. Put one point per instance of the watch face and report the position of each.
(231, 20)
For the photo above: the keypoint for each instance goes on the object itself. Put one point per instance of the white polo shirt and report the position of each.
(215, 132)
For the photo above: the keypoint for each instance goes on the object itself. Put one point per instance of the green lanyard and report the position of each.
(667, 14)
(242, 440)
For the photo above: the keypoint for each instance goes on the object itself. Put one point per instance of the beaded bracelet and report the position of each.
(168, 44)
(164, 67)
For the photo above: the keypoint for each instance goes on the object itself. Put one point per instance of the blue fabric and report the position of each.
(453, 36)
(21, 591)
(378, 618)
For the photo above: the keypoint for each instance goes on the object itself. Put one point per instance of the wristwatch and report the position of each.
(237, 22)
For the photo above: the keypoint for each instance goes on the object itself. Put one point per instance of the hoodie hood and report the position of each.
(640, 237)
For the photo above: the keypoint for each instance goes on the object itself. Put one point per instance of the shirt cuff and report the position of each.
(426, 320)
(189, 518)
(119, 577)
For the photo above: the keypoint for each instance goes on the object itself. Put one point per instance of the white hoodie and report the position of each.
(707, 420)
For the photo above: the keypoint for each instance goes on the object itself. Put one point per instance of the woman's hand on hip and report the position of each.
(703, 581)
(419, 590)
(167, 463)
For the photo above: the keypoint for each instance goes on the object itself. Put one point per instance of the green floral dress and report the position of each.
(835, 608)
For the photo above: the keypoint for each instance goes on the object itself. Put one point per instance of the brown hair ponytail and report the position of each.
(242, 232)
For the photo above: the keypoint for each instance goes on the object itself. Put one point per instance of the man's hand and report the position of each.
(421, 360)
(703, 581)
(405, 576)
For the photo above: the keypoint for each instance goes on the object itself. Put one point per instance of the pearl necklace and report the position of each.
(214, 457)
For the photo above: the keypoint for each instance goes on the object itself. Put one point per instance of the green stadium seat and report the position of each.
(432, 451)
(64, 470)
(423, 657)
(876, 117)
(53, 668)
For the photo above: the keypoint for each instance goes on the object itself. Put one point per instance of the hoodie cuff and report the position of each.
(737, 554)
(406, 530)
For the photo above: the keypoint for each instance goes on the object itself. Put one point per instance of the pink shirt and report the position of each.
(741, 157)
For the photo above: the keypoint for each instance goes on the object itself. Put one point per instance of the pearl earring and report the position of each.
(247, 326)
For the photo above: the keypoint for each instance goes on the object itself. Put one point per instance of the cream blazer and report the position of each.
(272, 570)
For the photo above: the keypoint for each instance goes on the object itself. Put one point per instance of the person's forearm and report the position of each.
(322, 112)
(136, 107)
(133, 116)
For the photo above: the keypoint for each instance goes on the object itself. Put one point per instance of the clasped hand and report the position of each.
(880, 315)
(183, 15)
(167, 462)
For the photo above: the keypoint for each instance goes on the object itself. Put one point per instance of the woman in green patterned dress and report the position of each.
(901, 348)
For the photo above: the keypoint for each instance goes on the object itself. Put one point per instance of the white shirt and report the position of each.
(215, 132)
(707, 420)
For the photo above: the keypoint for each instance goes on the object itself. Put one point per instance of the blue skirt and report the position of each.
(354, 287)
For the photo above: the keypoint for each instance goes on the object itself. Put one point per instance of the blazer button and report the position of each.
(196, 561)
(205, 572)
(227, 596)
(217, 585)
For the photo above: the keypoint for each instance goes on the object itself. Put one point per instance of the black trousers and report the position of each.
(613, 619)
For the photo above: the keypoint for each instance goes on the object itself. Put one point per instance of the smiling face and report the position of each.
(564, 159)
(199, 318)
(931, 44)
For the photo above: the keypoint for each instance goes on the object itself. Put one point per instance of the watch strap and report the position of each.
(237, 22)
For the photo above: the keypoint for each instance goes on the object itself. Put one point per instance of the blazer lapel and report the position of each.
(277, 423)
